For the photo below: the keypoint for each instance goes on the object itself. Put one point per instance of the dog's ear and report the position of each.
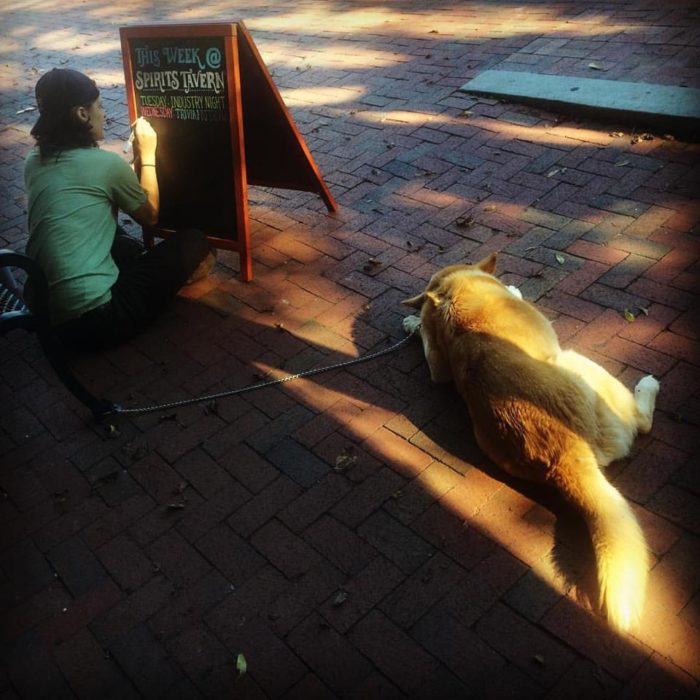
(415, 302)
(488, 264)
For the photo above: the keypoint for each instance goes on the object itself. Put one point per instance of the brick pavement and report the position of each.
(343, 532)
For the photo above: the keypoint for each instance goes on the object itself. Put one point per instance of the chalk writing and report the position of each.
(181, 82)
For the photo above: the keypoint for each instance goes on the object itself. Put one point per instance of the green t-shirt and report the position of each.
(72, 219)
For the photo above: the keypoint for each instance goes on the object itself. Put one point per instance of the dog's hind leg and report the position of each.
(645, 397)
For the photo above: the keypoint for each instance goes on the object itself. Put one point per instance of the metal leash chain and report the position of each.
(252, 387)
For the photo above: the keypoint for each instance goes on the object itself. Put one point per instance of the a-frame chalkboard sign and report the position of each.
(221, 125)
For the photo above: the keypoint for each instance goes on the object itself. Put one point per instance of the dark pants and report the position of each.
(148, 280)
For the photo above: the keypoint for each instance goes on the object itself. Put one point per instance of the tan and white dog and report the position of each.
(541, 413)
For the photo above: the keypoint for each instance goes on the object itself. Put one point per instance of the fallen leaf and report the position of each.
(371, 265)
(466, 113)
(595, 66)
(25, 109)
(179, 488)
(560, 258)
(644, 311)
(465, 222)
(538, 658)
(621, 163)
(135, 451)
(109, 478)
(629, 316)
(340, 598)
(552, 173)
(345, 460)
(241, 665)
(212, 408)
(490, 207)
(598, 675)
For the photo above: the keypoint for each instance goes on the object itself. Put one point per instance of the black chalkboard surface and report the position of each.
(220, 120)
(180, 87)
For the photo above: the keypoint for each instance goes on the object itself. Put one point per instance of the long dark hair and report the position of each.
(60, 131)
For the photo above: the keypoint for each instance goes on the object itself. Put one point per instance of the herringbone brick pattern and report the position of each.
(343, 532)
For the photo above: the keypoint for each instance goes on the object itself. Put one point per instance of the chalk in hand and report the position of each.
(130, 140)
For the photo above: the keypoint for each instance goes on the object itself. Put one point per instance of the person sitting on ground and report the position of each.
(104, 287)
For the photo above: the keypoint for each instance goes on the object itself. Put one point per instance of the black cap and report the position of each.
(62, 88)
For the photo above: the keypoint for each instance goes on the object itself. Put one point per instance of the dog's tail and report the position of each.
(618, 542)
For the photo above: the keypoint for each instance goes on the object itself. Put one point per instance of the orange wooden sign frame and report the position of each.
(266, 147)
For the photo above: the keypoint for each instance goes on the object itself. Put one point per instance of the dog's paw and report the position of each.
(411, 324)
(514, 291)
(647, 385)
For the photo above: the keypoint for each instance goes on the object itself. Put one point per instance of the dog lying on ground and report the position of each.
(541, 413)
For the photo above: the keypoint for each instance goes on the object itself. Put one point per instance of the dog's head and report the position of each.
(436, 288)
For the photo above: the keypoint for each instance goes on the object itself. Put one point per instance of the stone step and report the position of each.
(666, 108)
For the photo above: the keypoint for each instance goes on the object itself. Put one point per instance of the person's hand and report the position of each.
(145, 141)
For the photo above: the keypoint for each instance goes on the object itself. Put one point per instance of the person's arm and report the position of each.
(145, 142)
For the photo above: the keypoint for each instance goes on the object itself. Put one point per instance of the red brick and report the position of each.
(473, 661)
(585, 679)
(329, 654)
(688, 324)
(676, 346)
(90, 672)
(289, 553)
(662, 294)
(126, 563)
(660, 534)
(310, 686)
(211, 666)
(248, 467)
(475, 489)
(649, 470)
(395, 654)
(340, 545)
(314, 502)
(501, 519)
(596, 253)
(657, 678)
(589, 636)
(456, 538)
(128, 613)
(425, 489)
(367, 497)
(521, 642)
(580, 309)
(264, 506)
(638, 356)
(422, 590)
(575, 282)
(395, 541)
(649, 324)
(323, 425)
